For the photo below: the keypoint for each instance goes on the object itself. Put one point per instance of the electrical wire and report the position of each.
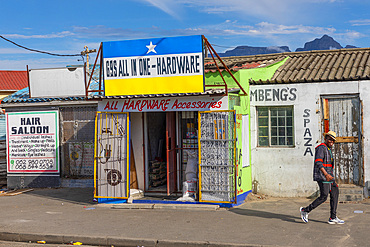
(222, 46)
(44, 52)
(75, 55)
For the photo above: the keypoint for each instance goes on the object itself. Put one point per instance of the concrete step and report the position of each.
(350, 198)
(350, 193)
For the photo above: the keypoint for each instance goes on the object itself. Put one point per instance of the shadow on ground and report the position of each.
(269, 215)
(83, 196)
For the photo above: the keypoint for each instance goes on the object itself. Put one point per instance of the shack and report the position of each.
(50, 132)
(163, 130)
(295, 98)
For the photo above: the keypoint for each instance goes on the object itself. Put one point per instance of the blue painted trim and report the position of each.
(239, 200)
(168, 202)
(111, 200)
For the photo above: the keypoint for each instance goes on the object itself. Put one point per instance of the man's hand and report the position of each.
(328, 177)
(326, 174)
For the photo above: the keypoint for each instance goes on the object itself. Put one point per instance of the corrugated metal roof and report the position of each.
(22, 96)
(13, 80)
(243, 62)
(311, 66)
(324, 66)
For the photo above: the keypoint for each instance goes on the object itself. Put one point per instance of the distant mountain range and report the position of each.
(324, 43)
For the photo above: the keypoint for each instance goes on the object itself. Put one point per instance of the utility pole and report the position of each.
(86, 53)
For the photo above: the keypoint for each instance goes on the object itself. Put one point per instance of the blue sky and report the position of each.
(65, 27)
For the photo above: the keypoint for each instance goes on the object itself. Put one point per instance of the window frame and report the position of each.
(269, 108)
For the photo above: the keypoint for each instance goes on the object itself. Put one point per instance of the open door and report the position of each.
(171, 151)
(111, 168)
(217, 160)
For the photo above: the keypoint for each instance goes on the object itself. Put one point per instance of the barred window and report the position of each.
(275, 126)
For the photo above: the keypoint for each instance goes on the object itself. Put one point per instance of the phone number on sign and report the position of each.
(34, 164)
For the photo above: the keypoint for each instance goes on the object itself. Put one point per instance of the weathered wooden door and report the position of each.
(342, 114)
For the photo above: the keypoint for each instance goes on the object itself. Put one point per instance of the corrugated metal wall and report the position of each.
(2, 127)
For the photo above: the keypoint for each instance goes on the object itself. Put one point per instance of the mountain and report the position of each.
(251, 50)
(324, 43)
(350, 46)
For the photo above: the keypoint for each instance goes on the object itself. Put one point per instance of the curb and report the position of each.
(111, 241)
(165, 206)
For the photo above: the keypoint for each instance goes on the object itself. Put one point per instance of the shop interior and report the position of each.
(171, 154)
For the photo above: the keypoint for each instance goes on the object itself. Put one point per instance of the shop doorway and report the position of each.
(170, 137)
(342, 114)
(155, 152)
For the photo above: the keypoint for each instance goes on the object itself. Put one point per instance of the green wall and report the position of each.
(243, 75)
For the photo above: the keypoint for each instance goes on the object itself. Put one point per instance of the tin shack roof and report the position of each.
(13, 80)
(22, 96)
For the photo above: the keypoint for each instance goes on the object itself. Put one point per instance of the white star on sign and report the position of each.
(151, 47)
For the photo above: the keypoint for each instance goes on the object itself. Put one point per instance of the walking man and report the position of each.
(324, 176)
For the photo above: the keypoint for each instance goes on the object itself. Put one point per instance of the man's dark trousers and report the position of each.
(325, 190)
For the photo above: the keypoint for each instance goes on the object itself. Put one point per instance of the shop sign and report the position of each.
(32, 141)
(153, 66)
(275, 94)
(164, 104)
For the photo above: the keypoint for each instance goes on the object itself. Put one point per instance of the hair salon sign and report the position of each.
(32, 140)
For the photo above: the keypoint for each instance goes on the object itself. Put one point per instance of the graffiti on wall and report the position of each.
(81, 158)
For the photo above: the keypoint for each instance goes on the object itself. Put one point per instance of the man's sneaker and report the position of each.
(335, 221)
(304, 215)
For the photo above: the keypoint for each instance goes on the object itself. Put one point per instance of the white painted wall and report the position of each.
(137, 142)
(364, 89)
(287, 172)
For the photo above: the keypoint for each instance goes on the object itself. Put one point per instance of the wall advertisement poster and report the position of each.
(33, 142)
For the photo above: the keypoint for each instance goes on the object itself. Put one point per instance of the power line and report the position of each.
(75, 55)
(44, 52)
(223, 46)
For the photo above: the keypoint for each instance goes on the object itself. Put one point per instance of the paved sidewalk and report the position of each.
(69, 214)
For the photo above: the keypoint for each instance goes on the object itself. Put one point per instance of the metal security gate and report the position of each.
(343, 116)
(111, 174)
(217, 156)
(171, 151)
(77, 141)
